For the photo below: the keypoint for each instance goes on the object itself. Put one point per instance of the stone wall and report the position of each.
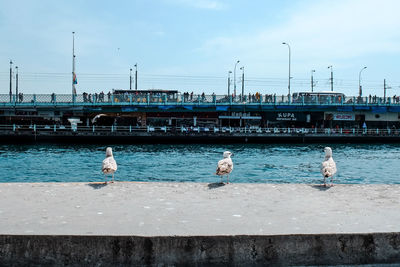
(277, 250)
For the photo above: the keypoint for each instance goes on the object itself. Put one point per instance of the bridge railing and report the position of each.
(203, 130)
(195, 99)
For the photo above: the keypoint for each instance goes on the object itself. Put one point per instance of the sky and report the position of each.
(191, 45)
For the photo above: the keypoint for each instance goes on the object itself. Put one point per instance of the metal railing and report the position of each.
(190, 99)
(201, 130)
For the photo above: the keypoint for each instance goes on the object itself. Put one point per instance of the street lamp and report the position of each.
(242, 69)
(136, 76)
(312, 81)
(130, 79)
(16, 82)
(11, 80)
(289, 67)
(330, 67)
(234, 78)
(359, 82)
(229, 83)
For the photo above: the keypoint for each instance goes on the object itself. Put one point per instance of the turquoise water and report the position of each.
(253, 163)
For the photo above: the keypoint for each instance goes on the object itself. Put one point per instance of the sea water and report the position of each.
(253, 163)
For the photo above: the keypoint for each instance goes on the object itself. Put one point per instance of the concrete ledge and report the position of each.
(274, 250)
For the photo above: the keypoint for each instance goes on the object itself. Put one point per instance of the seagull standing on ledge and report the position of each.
(225, 166)
(328, 166)
(109, 164)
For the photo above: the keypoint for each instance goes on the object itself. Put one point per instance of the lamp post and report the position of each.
(16, 83)
(130, 79)
(289, 66)
(136, 76)
(312, 81)
(242, 69)
(74, 80)
(229, 83)
(359, 82)
(11, 80)
(330, 67)
(234, 78)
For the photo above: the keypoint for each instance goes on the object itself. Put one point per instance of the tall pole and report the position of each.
(234, 78)
(16, 82)
(330, 67)
(312, 81)
(130, 79)
(11, 80)
(289, 66)
(242, 68)
(384, 90)
(74, 81)
(229, 83)
(359, 82)
(136, 76)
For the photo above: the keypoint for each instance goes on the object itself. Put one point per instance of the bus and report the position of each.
(154, 95)
(324, 97)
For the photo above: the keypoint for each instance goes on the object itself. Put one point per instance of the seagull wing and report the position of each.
(109, 165)
(97, 117)
(225, 166)
(328, 167)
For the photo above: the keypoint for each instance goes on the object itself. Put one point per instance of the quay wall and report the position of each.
(239, 250)
(148, 137)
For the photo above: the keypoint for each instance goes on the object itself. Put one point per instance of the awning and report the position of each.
(238, 117)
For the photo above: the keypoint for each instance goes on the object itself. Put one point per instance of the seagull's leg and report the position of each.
(324, 180)
(220, 178)
(228, 179)
(332, 180)
(105, 176)
(112, 178)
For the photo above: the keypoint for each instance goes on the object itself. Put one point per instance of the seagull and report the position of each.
(109, 164)
(96, 117)
(328, 166)
(225, 166)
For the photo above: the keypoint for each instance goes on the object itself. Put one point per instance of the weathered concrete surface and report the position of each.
(165, 209)
(200, 250)
(198, 224)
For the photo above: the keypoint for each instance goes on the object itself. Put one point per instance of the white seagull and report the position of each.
(328, 166)
(97, 117)
(109, 164)
(225, 166)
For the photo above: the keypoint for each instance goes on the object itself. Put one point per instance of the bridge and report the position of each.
(33, 100)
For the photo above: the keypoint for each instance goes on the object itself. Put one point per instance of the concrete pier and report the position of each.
(183, 223)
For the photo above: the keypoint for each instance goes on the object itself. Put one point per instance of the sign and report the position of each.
(344, 116)
(286, 116)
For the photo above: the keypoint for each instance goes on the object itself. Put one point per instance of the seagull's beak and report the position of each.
(231, 154)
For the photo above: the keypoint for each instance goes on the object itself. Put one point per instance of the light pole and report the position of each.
(229, 83)
(242, 68)
(289, 66)
(74, 80)
(11, 80)
(359, 82)
(130, 79)
(234, 78)
(136, 76)
(330, 67)
(16, 83)
(312, 81)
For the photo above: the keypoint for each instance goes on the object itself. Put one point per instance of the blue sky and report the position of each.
(190, 45)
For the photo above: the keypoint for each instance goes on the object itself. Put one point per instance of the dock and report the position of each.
(210, 224)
